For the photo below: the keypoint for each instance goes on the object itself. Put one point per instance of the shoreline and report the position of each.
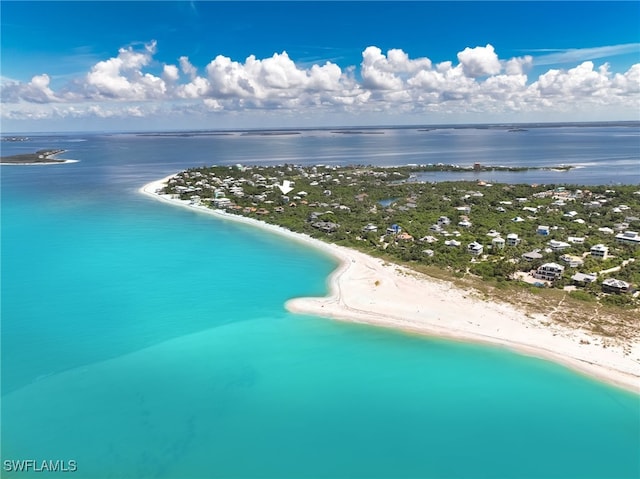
(43, 163)
(367, 290)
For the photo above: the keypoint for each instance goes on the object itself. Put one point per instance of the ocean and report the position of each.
(143, 340)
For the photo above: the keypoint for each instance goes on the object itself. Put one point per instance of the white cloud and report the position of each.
(132, 84)
(170, 73)
(187, 68)
(479, 61)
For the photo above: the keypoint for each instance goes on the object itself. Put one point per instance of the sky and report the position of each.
(120, 65)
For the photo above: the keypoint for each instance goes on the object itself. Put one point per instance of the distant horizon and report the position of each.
(196, 132)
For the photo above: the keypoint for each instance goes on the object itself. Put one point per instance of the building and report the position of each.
(572, 261)
(512, 239)
(221, 202)
(531, 256)
(599, 251)
(498, 243)
(549, 271)
(557, 246)
(628, 237)
(475, 248)
(543, 230)
(612, 285)
(584, 278)
(443, 221)
(394, 229)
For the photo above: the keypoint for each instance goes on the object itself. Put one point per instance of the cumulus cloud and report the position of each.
(134, 84)
(479, 61)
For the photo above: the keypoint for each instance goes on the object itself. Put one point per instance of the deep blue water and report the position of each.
(143, 340)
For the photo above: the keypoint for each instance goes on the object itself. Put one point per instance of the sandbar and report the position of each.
(368, 290)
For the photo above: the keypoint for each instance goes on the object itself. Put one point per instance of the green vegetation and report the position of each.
(40, 156)
(384, 212)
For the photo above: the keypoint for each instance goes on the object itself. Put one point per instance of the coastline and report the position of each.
(367, 290)
(41, 163)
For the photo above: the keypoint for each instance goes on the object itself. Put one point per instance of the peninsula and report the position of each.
(508, 265)
(40, 157)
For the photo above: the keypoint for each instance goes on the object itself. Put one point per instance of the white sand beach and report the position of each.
(368, 290)
(42, 163)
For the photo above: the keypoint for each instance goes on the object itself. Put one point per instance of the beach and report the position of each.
(368, 290)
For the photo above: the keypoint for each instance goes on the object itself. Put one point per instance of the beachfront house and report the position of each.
(549, 272)
(599, 251)
(221, 202)
(543, 230)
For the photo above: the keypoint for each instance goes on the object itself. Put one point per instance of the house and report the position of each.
(475, 248)
(370, 228)
(394, 229)
(557, 246)
(465, 224)
(543, 230)
(584, 278)
(599, 251)
(531, 256)
(452, 243)
(518, 219)
(498, 243)
(443, 221)
(576, 239)
(221, 202)
(326, 226)
(612, 285)
(512, 239)
(404, 236)
(429, 239)
(549, 271)
(572, 261)
(628, 237)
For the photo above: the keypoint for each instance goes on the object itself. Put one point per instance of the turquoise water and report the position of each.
(143, 340)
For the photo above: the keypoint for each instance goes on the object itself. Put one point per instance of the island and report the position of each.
(549, 270)
(40, 157)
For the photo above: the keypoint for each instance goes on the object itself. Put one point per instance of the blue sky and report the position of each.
(147, 65)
